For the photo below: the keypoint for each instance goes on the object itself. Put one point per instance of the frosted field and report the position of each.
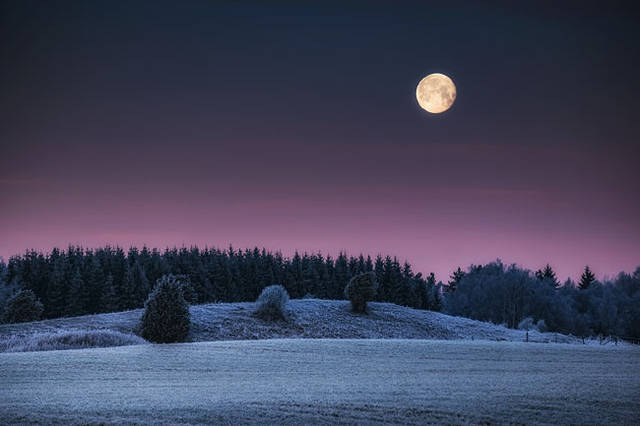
(324, 381)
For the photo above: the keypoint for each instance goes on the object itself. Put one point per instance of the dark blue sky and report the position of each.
(296, 126)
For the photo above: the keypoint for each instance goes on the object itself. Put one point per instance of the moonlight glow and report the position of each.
(436, 93)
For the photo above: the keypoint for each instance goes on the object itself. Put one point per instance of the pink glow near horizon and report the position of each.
(435, 236)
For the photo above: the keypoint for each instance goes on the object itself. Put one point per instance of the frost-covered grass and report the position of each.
(306, 318)
(327, 381)
(69, 339)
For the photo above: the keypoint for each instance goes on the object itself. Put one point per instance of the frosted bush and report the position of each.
(166, 317)
(69, 339)
(360, 290)
(526, 324)
(542, 326)
(272, 303)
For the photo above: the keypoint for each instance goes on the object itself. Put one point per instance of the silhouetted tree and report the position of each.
(586, 279)
(548, 275)
(166, 317)
(455, 279)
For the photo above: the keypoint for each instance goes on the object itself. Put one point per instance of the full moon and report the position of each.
(436, 93)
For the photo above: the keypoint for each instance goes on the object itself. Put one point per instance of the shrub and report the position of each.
(526, 324)
(272, 303)
(69, 339)
(542, 326)
(23, 306)
(360, 290)
(166, 317)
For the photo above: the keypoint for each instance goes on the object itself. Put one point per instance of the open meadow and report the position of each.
(324, 381)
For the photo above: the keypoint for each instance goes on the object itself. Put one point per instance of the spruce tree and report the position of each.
(550, 276)
(586, 279)
(455, 279)
(421, 290)
(75, 296)
(405, 292)
(547, 274)
(166, 317)
(140, 285)
(109, 300)
(380, 275)
(341, 271)
(56, 290)
(436, 298)
(94, 286)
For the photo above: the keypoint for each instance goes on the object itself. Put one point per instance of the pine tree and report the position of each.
(403, 283)
(57, 289)
(311, 280)
(94, 286)
(436, 298)
(421, 290)
(341, 269)
(586, 279)
(140, 286)
(550, 276)
(75, 295)
(125, 291)
(109, 300)
(547, 275)
(455, 280)
(166, 318)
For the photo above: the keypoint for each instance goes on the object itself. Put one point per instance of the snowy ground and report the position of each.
(328, 381)
(309, 318)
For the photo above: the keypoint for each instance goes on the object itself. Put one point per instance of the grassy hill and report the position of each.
(308, 318)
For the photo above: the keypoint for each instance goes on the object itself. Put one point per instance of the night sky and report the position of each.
(296, 127)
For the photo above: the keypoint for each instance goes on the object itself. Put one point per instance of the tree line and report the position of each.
(80, 281)
(510, 295)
